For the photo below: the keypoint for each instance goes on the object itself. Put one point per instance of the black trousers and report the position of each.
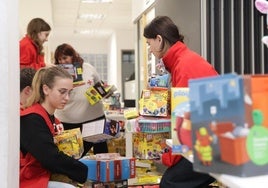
(181, 175)
(100, 147)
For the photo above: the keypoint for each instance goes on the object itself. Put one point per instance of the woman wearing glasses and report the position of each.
(39, 156)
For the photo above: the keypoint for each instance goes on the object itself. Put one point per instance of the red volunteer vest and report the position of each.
(32, 174)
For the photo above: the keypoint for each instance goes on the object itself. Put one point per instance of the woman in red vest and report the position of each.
(166, 43)
(39, 155)
(31, 46)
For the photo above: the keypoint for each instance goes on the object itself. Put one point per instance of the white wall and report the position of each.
(120, 40)
(9, 95)
(82, 44)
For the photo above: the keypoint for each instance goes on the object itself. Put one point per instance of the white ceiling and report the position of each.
(63, 16)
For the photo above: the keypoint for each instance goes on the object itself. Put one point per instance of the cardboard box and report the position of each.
(121, 168)
(154, 102)
(117, 145)
(149, 145)
(153, 125)
(100, 130)
(75, 69)
(229, 124)
(114, 184)
(70, 142)
(180, 121)
(98, 91)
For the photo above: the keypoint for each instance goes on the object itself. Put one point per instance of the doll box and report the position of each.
(120, 168)
(229, 124)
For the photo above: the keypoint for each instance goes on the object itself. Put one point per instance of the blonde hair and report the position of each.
(45, 76)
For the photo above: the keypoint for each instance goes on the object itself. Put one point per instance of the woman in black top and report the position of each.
(39, 156)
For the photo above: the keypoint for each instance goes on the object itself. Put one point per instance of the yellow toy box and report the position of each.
(149, 145)
(70, 142)
(154, 102)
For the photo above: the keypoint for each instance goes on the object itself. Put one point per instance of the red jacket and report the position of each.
(184, 64)
(29, 56)
(32, 174)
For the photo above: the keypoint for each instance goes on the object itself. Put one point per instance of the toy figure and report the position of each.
(202, 146)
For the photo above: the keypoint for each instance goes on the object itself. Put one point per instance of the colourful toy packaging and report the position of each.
(107, 170)
(154, 102)
(160, 81)
(180, 121)
(229, 116)
(149, 145)
(75, 70)
(70, 142)
(98, 91)
(100, 130)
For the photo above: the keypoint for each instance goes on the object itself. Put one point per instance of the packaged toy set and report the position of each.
(180, 121)
(99, 91)
(75, 69)
(154, 102)
(108, 167)
(100, 130)
(229, 116)
(70, 142)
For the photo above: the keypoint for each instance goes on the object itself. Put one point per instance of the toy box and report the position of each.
(153, 125)
(180, 121)
(107, 170)
(160, 81)
(100, 130)
(229, 124)
(98, 91)
(113, 184)
(154, 102)
(117, 145)
(149, 145)
(70, 142)
(75, 69)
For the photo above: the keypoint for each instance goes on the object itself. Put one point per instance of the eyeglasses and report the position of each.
(64, 92)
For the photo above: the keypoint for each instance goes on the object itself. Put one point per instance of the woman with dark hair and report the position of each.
(31, 46)
(79, 111)
(166, 43)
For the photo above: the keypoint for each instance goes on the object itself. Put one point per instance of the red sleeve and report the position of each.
(26, 56)
(169, 160)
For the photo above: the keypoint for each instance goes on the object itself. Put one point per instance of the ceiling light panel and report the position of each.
(91, 16)
(96, 1)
